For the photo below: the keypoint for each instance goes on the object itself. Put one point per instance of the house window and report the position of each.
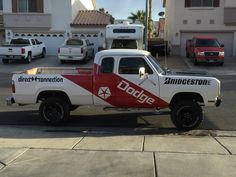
(1, 8)
(27, 5)
(202, 3)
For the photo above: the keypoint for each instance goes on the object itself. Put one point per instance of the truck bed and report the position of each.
(57, 70)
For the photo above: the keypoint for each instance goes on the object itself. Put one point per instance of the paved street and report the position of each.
(122, 144)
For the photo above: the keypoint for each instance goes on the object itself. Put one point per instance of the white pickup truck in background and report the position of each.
(76, 49)
(22, 49)
(119, 79)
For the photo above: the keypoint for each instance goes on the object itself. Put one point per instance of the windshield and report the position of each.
(207, 43)
(74, 42)
(156, 65)
(20, 41)
(124, 44)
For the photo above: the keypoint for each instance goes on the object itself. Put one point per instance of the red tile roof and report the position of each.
(92, 18)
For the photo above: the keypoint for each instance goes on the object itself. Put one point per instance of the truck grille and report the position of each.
(211, 54)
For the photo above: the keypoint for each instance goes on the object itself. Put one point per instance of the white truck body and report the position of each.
(116, 80)
(76, 49)
(129, 36)
(22, 49)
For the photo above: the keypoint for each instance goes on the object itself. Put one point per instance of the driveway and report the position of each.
(229, 68)
(48, 61)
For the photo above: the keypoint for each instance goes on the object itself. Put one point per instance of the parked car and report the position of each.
(76, 49)
(205, 49)
(22, 49)
(119, 79)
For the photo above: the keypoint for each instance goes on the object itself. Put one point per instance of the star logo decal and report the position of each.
(104, 92)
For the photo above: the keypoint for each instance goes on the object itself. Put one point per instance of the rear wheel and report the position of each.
(5, 61)
(186, 115)
(54, 111)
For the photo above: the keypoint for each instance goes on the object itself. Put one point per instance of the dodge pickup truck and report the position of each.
(120, 78)
(22, 49)
(205, 49)
(76, 49)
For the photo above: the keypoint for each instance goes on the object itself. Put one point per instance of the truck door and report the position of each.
(132, 91)
(105, 82)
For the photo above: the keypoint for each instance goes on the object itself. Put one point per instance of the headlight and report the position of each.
(200, 53)
(221, 53)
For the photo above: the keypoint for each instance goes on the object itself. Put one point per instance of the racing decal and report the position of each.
(141, 97)
(39, 79)
(104, 92)
(171, 81)
(117, 91)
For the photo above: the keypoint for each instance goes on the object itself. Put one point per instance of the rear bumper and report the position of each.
(12, 57)
(65, 57)
(10, 101)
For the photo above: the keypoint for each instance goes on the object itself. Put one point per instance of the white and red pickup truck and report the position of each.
(22, 49)
(120, 78)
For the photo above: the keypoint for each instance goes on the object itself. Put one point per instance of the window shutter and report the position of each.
(14, 6)
(216, 3)
(187, 3)
(40, 6)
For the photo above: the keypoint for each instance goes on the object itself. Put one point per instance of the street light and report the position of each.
(146, 27)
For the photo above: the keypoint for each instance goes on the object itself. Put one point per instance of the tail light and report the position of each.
(82, 50)
(13, 88)
(22, 51)
(58, 50)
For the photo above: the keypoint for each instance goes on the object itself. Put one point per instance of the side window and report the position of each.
(131, 66)
(33, 42)
(37, 42)
(107, 65)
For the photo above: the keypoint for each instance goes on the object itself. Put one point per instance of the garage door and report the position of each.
(223, 38)
(51, 40)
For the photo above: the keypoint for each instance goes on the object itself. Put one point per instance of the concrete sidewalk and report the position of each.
(41, 151)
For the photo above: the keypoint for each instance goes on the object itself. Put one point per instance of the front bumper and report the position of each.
(207, 59)
(10, 101)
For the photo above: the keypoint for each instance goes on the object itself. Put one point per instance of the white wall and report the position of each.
(81, 5)
(7, 8)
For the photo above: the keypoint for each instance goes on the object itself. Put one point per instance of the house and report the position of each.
(50, 21)
(188, 18)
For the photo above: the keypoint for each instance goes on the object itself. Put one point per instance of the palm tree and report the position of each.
(138, 16)
(150, 21)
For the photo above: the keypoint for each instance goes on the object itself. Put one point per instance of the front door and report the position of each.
(133, 91)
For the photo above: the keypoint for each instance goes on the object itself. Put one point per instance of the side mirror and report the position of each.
(222, 45)
(142, 72)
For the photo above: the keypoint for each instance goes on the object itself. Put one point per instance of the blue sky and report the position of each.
(120, 9)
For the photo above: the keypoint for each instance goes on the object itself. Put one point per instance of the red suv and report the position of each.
(205, 49)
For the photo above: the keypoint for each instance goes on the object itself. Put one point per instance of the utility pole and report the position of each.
(146, 27)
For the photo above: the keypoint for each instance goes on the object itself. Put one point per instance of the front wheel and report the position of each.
(186, 115)
(29, 58)
(54, 111)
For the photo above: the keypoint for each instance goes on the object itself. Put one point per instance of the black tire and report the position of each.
(29, 58)
(221, 63)
(187, 54)
(5, 61)
(54, 111)
(186, 115)
(73, 107)
(63, 61)
(43, 53)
